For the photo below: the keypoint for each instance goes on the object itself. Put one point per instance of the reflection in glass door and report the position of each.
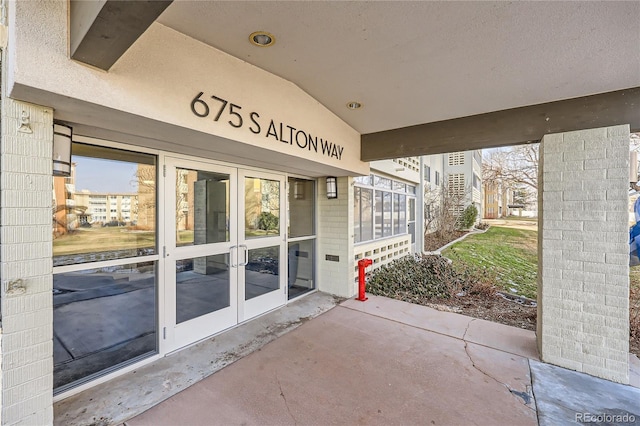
(301, 237)
(201, 285)
(261, 244)
(225, 253)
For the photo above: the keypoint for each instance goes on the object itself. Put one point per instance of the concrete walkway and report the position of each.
(377, 362)
(147, 385)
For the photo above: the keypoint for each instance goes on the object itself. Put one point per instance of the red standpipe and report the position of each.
(362, 264)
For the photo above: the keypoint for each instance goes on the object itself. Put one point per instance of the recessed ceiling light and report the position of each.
(262, 39)
(354, 105)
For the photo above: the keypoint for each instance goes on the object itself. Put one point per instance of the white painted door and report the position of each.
(224, 256)
(261, 243)
(201, 250)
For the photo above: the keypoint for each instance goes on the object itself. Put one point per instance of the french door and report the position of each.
(224, 257)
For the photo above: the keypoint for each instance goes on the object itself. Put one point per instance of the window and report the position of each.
(381, 182)
(380, 210)
(302, 236)
(427, 173)
(399, 214)
(477, 155)
(437, 178)
(476, 182)
(363, 214)
(104, 314)
(411, 220)
(363, 180)
(98, 170)
(301, 207)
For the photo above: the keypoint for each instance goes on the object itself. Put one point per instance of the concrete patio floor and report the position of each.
(378, 362)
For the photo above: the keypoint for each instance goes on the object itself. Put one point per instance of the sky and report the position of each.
(99, 175)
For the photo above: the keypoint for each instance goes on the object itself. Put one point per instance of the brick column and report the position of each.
(583, 272)
(25, 263)
(335, 239)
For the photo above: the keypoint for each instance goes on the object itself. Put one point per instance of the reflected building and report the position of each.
(73, 209)
(64, 206)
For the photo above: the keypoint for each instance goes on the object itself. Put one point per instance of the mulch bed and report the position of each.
(492, 308)
(495, 308)
(433, 242)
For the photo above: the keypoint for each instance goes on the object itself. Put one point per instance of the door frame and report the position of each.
(164, 347)
(248, 309)
(176, 335)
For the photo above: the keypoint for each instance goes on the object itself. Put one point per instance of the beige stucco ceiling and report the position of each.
(419, 62)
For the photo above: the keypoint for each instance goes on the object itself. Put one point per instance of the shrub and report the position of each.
(634, 312)
(420, 278)
(469, 216)
(267, 221)
(482, 225)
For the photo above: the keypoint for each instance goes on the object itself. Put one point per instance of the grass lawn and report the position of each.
(509, 254)
(100, 239)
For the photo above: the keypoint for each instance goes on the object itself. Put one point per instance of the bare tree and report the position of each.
(442, 210)
(513, 167)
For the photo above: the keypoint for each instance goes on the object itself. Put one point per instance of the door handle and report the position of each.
(231, 249)
(246, 255)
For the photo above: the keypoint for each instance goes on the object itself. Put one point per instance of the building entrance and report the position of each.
(153, 252)
(224, 258)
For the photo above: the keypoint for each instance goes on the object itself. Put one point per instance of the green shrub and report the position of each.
(268, 221)
(421, 278)
(469, 216)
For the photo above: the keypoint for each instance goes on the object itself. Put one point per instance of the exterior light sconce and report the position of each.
(332, 187)
(298, 190)
(62, 137)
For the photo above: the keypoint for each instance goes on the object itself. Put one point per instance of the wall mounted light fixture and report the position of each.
(332, 187)
(62, 137)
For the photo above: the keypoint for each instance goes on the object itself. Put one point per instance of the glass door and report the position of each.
(201, 252)
(261, 244)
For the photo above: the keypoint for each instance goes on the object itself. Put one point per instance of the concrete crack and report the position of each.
(525, 396)
(285, 400)
(465, 333)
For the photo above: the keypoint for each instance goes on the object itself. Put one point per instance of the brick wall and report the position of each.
(583, 272)
(335, 238)
(25, 264)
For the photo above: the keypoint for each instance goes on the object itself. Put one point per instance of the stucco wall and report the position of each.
(149, 91)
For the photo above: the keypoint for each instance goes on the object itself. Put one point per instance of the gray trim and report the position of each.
(109, 33)
(508, 127)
